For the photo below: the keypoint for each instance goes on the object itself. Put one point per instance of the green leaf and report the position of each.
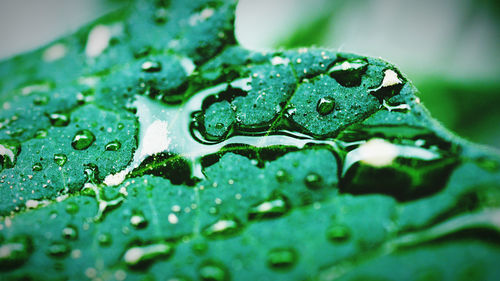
(150, 146)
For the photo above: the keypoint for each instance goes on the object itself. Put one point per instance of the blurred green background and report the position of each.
(450, 49)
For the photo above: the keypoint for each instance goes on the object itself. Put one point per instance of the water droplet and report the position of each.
(83, 139)
(58, 249)
(60, 159)
(282, 176)
(143, 255)
(120, 126)
(41, 100)
(199, 247)
(313, 181)
(37, 167)
(9, 150)
(72, 208)
(348, 73)
(138, 220)
(276, 205)
(281, 258)
(338, 233)
(213, 271)
(104, 239)
(59, 119)
(151, 66)
(41, 134)
(223, 227)
(70, 232)
(14, 252)
(325, 105)
(113, 145)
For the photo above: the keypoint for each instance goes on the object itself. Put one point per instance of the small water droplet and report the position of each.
(104, 239)
(83, 139)
(151, 66)
(14, 252)
(325, 105)
(282, 258)
(276, 205)
(138, 220)
(120, 126)
(338, 233)
(213, 271)
(41, 134)
(282, 176)
(113, 145)
(70, 232)
(199, 247)
(37, 167)
(60, 159)
(313, 181)
(143, 255)
(41, 100)
(72, 208)
(223, 227)
(58, 249)
(59, 119)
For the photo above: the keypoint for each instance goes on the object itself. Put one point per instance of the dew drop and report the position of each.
(113, 145)
(41, 100)
(59, 119)
(70, 232)
(348, 72)
(281, 258)
(325, 105)
(37, 167)
(142, 255)
(72, 208)
(276, 205)
(313, 181)
(213, 271)
(151, 66)
(58, 249)
(14, 252)
(282, 176)
(60, 159)
(82, 139)
(223, 227)
(338, 233)
(41, 134)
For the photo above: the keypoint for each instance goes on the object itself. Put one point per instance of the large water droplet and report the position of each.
(143, 255)
(113, 145)
(60, 159)
(14, 252)
(9, 150)
(83, 139)
(282, 258)
(348, 73)
(70, 232)
(59, 119)
(276, 205)
(223, 227)
(325, 105)
(213, 271)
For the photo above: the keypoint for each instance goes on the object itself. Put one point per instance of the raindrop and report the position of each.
(14, 252)
(41, 134)
(70, 232)
(282, 176)
(37, 167)
(151, 66)
(104, 239)
(325, 105)
(142, 255)
(281, 258)
(41, 100)
(223, 227)
(113, 145)
(82, 139)
(58, 249)
(138, 220)
(276, 205)
(313, 181)
(348, 73)
(72, 208)
(338, 233)
(9, 150)
(213, 271)
(59, 119)
(60, 159)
